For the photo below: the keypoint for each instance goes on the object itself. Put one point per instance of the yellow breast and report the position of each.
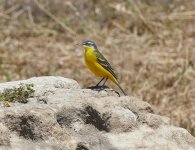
(90, 61)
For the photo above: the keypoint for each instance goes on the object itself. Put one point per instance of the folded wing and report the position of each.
(104, 63)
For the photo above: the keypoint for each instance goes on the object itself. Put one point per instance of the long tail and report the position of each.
(121, 89)
(117, 83)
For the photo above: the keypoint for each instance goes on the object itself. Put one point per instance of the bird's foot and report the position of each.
(97, 88)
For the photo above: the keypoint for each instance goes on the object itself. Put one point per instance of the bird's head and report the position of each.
(89, 44)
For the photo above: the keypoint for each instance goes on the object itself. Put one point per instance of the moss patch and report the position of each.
(18, 94)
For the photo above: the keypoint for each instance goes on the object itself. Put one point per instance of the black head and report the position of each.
(89, 44)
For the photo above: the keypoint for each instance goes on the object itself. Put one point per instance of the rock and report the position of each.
(61, 115)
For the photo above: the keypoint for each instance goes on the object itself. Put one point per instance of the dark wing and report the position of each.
(104, 63)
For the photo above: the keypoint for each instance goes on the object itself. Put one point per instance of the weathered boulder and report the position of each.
(62, 115)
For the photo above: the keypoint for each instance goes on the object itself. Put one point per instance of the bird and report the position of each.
(98, 64)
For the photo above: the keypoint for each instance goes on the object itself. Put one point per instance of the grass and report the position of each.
(19, 94)
(149, 43)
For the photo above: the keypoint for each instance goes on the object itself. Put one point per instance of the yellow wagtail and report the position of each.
(98, 64)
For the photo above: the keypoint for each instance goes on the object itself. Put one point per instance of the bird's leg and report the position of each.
(105, 81)
(99, 82)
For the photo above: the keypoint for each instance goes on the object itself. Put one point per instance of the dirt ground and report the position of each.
(150, 43)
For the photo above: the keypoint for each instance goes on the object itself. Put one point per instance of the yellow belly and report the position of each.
(95, 67)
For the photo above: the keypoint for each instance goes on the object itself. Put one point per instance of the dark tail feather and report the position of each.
(122, 90)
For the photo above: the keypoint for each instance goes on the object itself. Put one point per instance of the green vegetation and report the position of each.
(18, 94)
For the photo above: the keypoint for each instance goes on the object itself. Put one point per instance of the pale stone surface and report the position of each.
(64, 116)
